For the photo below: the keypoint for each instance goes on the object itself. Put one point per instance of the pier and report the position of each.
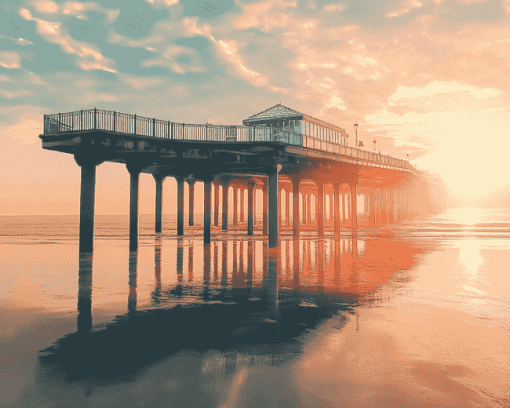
(297, 161)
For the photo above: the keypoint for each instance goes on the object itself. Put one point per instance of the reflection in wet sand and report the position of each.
(263, 301)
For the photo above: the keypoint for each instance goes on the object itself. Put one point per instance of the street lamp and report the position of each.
(356, 129)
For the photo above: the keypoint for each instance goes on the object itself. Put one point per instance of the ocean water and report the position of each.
(410, 315)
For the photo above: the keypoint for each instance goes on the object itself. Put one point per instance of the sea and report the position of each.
(415, 314)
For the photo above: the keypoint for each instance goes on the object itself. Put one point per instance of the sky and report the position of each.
(428, 78)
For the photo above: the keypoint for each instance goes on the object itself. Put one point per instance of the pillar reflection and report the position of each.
(84, 292)
(132, 297)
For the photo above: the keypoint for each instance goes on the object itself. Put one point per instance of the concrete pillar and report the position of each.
(272, 203)
(180, 205)
(251, 202)
(391, 208)
(295, 209)
(224, 221)
(216, 203)
(287, 214)
(236, 209)
(331, 203)
(279, 208)
(241, 215)
(349, 206)
(207, 212)
(342, 205)
(309, 209)
(264, 209)
(87, 203)
(354, 204)
(134, 176)
(320, 209)
(159, 202)
(373, 208)
(191, 203)
(336, 211)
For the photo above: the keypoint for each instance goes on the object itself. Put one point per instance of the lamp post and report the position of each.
(356, 129)
(374, 143)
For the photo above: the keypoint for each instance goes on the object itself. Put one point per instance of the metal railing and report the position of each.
(99, 119)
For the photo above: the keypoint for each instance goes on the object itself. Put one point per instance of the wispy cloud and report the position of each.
(9, 60)
(54, 32)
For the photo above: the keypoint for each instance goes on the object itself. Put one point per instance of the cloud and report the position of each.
(334, 7)
(19, 41)
(15, 94)
(141, 83)
(53, 32)
(46, 6)
(264, 14)
(164, 2)
(405, 7)
(27, 127)
(440, 87)
(229, 50)
(9, 60)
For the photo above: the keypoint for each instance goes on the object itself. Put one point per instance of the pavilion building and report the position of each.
(287, 119)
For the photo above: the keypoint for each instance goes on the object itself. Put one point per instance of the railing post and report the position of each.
(168, 129)
(95, 120)
(134, 130)
(153, 127)
(81, 120)
(114, 121)
(44, 125)
(59, 121)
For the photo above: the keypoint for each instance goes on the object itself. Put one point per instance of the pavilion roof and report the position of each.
(280, 111)
(275, 112)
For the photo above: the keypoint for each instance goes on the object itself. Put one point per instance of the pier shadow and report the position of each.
(303, 284)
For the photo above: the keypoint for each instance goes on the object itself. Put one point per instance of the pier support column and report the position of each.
(287, 213)
(241, 215)
(87, 202)
(342, 206)
(134, 177)
(251, 202)
(272, 203)
(354, 203)
(391, 210)
(224, 219)
(180, 205)
(331, 208)
(309, 208)
(216, 203)
(159, 202)
(207, 212)
(372, 208)
(320, 209)
(336, 211)
(264, 209)
(191, 202)
(295, 209)
(236, 205)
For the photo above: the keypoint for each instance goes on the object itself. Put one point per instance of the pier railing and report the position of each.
(99, 119)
